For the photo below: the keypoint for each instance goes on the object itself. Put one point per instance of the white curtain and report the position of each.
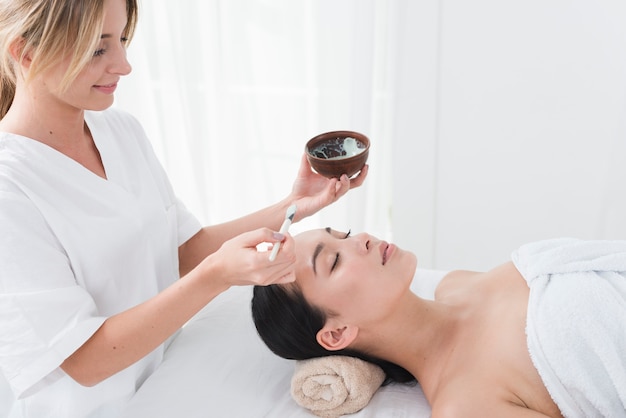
(229, 92)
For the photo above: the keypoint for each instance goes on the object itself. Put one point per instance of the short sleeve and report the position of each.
(44, 315)
(188, 224)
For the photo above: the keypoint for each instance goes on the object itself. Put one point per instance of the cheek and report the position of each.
(85, 80)
(337, 295)
(366, 285)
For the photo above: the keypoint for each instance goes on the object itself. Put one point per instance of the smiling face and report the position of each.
(94, 86)
(357, 278)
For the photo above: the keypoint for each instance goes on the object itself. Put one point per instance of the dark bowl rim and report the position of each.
(343, 133)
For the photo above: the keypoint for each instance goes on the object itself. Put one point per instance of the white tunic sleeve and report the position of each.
(45, 315)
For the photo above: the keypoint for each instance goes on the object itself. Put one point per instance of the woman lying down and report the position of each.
(542, 335)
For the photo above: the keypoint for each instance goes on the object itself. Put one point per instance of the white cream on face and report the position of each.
(337, 149)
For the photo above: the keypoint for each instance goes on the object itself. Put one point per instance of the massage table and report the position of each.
(217, 366)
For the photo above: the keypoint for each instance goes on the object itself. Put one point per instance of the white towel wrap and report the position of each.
(576, 322)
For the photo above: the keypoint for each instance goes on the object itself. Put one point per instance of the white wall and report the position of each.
(517, 123)
(507, 119)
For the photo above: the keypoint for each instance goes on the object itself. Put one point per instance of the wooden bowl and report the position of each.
(326, 154)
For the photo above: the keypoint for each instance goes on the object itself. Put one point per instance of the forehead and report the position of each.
(319, 235)
(309, 246)
(306, 243)
(115, 10)
(308, 236)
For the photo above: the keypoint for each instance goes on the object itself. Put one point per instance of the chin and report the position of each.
(99, 108)
(99, 102)
(411, 264)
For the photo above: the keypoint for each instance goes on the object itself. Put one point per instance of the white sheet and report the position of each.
(218, 367)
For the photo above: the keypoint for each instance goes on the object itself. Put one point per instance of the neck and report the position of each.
(41, 116)
(44, 119)
(419, 336)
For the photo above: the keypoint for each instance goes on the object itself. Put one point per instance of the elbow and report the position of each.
(85, 383)
(87, 380)
(83, 376)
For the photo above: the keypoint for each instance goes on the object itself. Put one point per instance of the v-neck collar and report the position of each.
(99, 143)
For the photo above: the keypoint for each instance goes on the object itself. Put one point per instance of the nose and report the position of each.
(119, 64)
(363, 242)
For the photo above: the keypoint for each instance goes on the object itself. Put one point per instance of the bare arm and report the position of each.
(127, 337)
(311, 192)
(213, 260)
(210, 238)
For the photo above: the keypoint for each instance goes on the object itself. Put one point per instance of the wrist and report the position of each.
(208, 278)
(282, 207)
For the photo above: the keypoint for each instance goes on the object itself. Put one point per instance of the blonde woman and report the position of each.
(92, 237)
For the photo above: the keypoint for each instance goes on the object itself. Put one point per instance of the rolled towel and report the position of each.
(335, 385)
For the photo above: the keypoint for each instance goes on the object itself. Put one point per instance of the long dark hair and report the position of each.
(288, 325)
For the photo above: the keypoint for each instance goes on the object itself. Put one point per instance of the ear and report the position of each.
(334, 339)
(16, 49)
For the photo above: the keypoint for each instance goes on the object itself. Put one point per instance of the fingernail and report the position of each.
(288, 278)
(278, 236)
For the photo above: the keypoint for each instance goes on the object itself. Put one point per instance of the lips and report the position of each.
(384, 247)
(106, 88)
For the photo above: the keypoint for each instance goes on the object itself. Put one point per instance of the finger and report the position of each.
(283, 252)
(331, 187)
(287, 278)
(342, 186)
(358, 180)
(281, 270)
(261, 235)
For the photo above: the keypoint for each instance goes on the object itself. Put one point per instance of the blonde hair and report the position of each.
(48, 31)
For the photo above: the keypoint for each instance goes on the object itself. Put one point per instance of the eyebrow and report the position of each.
(318, 250)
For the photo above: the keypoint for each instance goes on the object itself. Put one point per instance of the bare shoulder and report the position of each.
(454, 281)
(479, 402)
(458, 281)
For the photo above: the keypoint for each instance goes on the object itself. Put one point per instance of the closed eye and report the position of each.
(336, 262)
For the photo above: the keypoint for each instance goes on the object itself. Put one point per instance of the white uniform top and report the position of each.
(75, 249)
